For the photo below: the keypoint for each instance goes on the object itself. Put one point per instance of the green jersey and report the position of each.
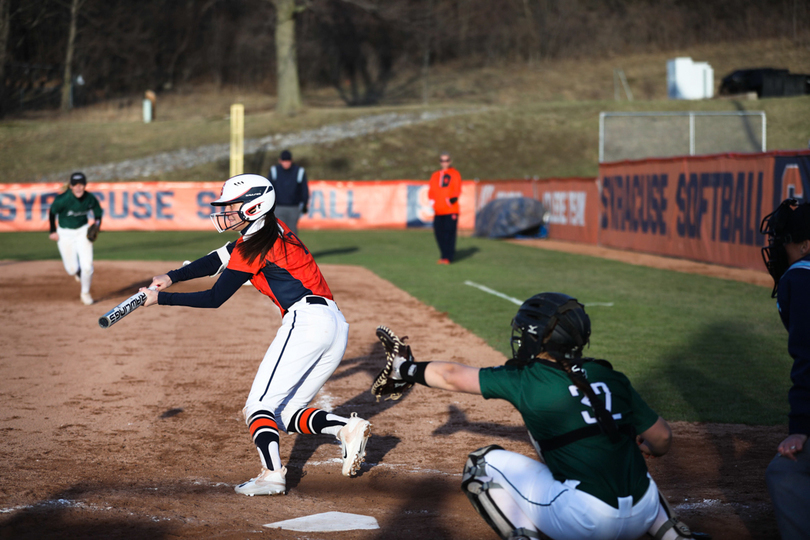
(72, 212)
(551, 405)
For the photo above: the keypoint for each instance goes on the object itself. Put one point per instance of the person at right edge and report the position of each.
(292, 191)
(586, 421)
(444, 191)
(787, 258)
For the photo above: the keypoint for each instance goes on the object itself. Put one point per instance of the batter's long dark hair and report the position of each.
(262, 241)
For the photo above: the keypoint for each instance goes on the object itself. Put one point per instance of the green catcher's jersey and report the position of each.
(72, 212)
(551, 405)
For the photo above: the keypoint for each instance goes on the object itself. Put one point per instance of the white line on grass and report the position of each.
(493, 292)
(519, 302)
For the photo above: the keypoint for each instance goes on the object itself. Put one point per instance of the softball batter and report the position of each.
(307, 348)
(71, 209)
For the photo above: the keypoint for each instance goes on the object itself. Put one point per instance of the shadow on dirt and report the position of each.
(57, 517)
(458, 421)
(364, 404)
(424, 500)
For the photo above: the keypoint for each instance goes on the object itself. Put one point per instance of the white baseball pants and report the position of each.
(305, 352)
(558, 509)
(77, 253)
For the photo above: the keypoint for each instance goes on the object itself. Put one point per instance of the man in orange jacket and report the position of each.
(444, 192)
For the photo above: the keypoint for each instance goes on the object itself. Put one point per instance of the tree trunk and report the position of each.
(67, 79)
(4, 26)
(288, 90)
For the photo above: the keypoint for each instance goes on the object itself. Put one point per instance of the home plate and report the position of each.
(328, 521)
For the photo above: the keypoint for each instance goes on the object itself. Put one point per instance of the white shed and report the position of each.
(689, 80)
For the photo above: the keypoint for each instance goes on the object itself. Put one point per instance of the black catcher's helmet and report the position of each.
(552, 322)
(789, 223)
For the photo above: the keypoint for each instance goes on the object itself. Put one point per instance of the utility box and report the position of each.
(689, 80)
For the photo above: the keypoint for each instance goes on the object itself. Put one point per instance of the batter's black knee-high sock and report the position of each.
(264, 430)
(310, 421)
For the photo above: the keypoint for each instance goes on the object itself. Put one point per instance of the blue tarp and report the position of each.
(505, 218)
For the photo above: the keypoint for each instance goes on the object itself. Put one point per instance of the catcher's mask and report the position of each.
(254, 192)
(789, 223)
(552, 322)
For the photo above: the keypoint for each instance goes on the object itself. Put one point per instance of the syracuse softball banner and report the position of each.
(704, 208)
(153, 206)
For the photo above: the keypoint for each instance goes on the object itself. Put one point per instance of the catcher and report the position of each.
(586, 421)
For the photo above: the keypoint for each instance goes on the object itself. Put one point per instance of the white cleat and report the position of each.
(267, 483)
(353, 437)
(78, 277)
(87, 300)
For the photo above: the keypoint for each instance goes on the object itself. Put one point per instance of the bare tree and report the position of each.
(288, 89)
(67, 81)
(5, 24)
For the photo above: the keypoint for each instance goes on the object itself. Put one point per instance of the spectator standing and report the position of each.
(788, 261)
(292, 191)
(444, 191)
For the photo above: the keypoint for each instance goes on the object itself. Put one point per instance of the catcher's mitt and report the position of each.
(93, 230)
(396, 352)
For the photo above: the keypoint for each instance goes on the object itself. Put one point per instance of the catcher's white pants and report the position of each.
(305, 352)
(77, 252)
(558, 509)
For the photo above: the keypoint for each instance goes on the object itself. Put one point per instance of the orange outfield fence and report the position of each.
(704, 208)
(173, 206)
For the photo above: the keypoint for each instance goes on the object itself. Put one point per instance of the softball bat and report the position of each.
(123, 309)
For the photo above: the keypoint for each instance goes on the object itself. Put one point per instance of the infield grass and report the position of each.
(697, 348)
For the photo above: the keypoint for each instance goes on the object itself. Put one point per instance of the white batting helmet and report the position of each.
(254, 192)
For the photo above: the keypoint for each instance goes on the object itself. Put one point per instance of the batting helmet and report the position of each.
(789, 223)
(550, 322)
(254, 194)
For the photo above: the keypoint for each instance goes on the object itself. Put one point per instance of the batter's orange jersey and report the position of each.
(445, 185)
(287, 274)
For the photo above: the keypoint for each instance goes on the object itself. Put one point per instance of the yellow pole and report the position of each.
(237, 138)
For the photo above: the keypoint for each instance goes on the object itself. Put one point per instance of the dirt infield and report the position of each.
(134, 431)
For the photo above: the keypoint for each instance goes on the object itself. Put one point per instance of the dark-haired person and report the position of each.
(444, 192)
(292, 191)
(584, 418)
(69, 221)
(308, 346)
(788, 261)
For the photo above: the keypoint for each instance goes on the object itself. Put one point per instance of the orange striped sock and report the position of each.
(310, 421)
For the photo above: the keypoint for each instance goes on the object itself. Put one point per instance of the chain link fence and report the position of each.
(640, 135)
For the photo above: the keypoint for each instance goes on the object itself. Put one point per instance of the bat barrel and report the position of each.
(122, 310)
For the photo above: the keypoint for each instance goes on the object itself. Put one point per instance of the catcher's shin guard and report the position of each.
(476, 485)
(676, 528)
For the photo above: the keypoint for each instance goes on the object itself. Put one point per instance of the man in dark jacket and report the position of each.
(292, 191)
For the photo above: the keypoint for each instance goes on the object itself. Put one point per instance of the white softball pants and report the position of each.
(77, 253)
(305, 352)
(558, 509)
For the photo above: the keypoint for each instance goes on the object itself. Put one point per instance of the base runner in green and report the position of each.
(588, 424)
(73, 213)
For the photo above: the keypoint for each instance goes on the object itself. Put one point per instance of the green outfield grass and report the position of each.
(697, 348)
